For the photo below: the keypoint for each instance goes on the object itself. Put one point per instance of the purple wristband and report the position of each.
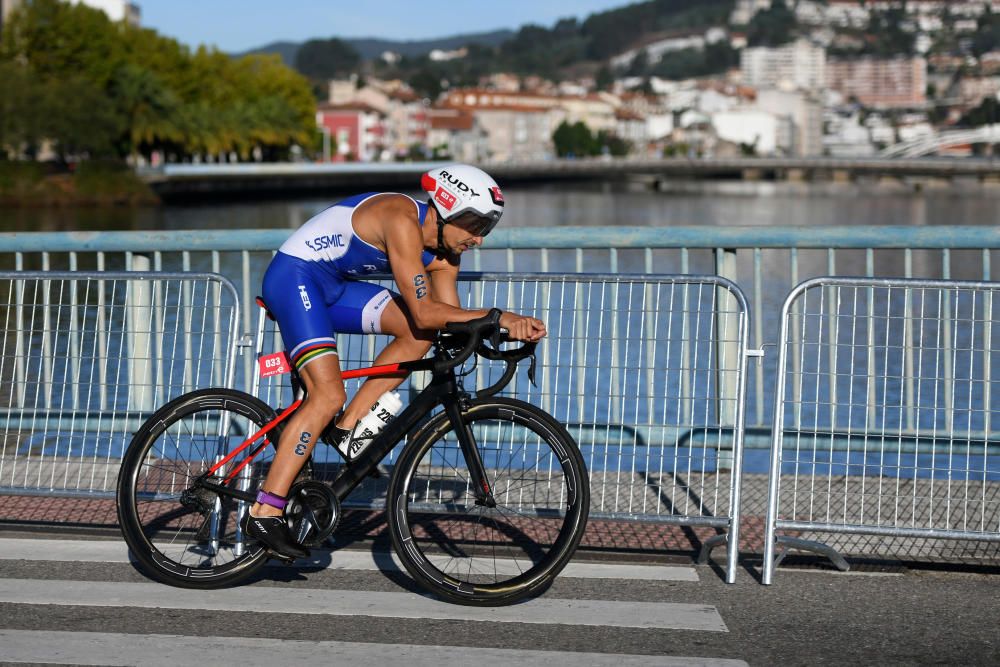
(265, 498)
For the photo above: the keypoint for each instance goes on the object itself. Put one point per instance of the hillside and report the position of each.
(568, 49)
(373, 47)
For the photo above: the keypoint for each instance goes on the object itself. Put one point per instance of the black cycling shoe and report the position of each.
(273, 533)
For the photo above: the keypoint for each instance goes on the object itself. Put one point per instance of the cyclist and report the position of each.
(311, 289)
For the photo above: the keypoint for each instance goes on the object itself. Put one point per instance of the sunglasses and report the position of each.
(477, 225)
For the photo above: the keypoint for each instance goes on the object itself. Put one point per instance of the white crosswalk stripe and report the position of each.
(175, 650)
(100, 551)
(666, 615)
(161, 648)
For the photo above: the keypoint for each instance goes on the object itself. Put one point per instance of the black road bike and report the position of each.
(487, 500)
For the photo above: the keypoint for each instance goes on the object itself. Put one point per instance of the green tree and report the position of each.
(612, 144)
(150, 108)
(987, 37)
(604, 78)
(427, 82)
(575, 140)
(82, 121)
(640, 64)
(60, 39)
(886, 35)
(688, 63)
(773, 26)
(326, 59)
(987, 113)
(21, 110)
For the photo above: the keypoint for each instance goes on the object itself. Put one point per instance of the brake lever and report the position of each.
(531, 371)
(496, 338)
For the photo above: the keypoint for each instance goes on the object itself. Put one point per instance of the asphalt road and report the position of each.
(90, 606)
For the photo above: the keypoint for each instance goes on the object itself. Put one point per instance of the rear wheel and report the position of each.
(182, 534)
(489, 554)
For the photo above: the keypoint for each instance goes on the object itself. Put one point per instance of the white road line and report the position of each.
(98, 648)
(551, 611)
(100, 551)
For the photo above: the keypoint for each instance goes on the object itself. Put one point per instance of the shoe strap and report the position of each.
(265, 498)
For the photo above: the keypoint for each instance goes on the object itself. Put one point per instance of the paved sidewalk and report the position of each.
(618, 536)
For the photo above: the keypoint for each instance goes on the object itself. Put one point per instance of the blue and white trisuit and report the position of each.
(312, 288)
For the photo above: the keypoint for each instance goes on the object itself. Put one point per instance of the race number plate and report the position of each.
(273, 364)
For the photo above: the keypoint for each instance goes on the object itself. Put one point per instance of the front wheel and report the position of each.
(509, 548)
(181, 533)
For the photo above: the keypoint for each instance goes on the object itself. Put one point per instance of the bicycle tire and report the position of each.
(171, 540)
(475, 555)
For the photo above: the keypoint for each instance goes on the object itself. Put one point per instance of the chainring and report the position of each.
(313, 512)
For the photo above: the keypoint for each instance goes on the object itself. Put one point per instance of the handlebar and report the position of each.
(477, 333)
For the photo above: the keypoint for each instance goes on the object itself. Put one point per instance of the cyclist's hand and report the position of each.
(521, 327)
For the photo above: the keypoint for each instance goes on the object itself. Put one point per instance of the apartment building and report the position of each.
(405, 112)
(457, 133)
(355, 131)
(893, 83)
(802, 114)
(796, 66)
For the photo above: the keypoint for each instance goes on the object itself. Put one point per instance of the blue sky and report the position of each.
(238, 25)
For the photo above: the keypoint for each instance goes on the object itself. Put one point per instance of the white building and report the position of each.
(846, 136)
(805, 116)
(753, 127)
(6, 7)
(795, 66)
(117, 10)
(655, 51)
(847, 14)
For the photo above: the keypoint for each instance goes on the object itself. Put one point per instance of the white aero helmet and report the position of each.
(461, 188)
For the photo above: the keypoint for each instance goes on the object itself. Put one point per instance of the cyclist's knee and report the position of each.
(326, 399)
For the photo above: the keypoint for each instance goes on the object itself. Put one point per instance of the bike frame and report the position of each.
(442, 390)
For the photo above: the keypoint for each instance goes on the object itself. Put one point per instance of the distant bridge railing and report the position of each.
(987, 134)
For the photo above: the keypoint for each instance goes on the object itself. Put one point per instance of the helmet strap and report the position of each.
(441, 250)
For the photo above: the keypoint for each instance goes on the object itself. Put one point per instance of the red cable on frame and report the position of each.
(388, 369)
(253, 438)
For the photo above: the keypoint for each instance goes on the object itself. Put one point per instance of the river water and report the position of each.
(581, 204)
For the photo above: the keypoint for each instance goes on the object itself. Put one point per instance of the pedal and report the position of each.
(285, 560)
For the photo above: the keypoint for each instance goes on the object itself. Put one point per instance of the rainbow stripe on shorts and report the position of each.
(314, 348)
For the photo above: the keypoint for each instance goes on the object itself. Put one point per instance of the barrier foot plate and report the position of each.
(711, 543)
(808, 545)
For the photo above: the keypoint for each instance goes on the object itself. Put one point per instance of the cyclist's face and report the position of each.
(475, 224)
(458, 239)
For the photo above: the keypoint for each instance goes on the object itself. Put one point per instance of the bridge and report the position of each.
(987, 134)
(254, 179)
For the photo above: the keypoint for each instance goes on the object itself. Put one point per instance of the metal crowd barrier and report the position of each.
(888, 414)
(84, 359)
(647, 372)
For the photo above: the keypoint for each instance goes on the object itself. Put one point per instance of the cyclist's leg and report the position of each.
(368, 308)
(297, 301)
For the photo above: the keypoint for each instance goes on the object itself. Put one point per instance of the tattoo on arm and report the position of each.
(420, 282)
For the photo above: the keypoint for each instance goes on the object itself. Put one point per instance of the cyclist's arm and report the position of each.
(404, 247)
(444, 281)
(444, 288)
